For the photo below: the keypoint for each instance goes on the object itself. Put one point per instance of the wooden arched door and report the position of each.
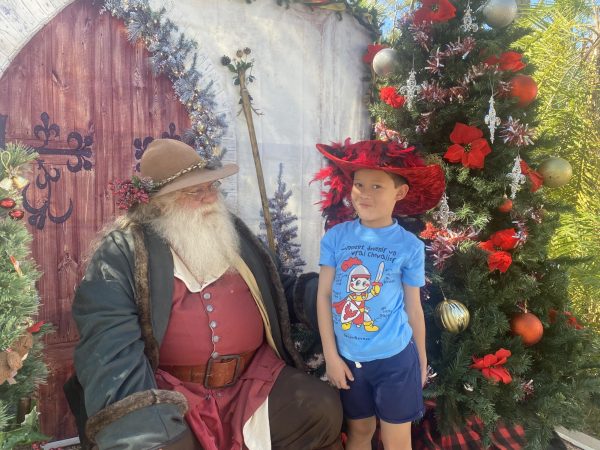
(86, 99)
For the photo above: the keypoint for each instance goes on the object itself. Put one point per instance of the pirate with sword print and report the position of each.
(352, 308)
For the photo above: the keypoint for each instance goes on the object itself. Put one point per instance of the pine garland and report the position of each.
(174, 56)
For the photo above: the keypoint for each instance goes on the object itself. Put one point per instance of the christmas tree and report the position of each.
(21, 366)
(284, 232)
(501, 337)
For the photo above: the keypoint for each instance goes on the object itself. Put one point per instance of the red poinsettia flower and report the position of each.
(488, 246)
(390, 96)
(491, 366)
(535, 178)
(430, 231)
(497, 245)
(499, 261)
(571, 319)
(506, 239)
(468, 147)
(434, 11)
(36, 327)
(372, 50)
(508, 61)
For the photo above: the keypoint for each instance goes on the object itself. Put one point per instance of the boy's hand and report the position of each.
(423, 374)
(338, 372)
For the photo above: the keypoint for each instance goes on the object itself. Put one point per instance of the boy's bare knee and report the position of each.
(365, 427)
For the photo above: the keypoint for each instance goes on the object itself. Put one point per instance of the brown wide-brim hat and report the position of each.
(426, 182)
(173, 165)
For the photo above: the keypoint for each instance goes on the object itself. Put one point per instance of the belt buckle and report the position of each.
(222, 358)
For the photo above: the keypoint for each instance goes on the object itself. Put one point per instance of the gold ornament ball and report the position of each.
(556, 172)
(452, 316)
(385, 61)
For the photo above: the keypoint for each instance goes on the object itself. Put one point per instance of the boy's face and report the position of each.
(374, 196)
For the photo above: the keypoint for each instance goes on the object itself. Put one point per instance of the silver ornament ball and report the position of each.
(385, 62)
(499, 13)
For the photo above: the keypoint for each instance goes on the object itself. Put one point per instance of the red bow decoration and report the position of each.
(468, 147)
(434, 11)
(491, 366)
(372, 50)
(508, 61)
(390, 96)
(535, 178)
(497, 245)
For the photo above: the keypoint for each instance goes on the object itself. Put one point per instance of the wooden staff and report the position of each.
(247, 107)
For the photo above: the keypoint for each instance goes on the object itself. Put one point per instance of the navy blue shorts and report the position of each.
(388, 388)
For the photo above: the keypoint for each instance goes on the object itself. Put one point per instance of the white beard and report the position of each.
(205, 238)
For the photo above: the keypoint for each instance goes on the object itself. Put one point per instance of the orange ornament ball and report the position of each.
(528, 326)
(524, 88)
(506, 205)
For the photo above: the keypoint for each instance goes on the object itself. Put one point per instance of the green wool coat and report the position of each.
(122, 309)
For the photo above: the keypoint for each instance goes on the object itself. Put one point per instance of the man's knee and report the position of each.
(303, 409)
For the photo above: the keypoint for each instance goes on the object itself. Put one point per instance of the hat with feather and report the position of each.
(426, 182)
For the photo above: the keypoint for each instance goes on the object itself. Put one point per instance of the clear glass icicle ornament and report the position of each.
(516, 178)
(491, 119)
(411, 89)
(444, 216)
(468, 25)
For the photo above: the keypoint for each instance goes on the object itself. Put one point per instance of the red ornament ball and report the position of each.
(17, 214)
(7, 203)
(506, 205)
(528, 326)
(524, 88)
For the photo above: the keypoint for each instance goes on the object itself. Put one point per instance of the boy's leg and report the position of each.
(360, 433)
(395, 436)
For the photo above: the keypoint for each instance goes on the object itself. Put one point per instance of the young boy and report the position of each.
(368, 303)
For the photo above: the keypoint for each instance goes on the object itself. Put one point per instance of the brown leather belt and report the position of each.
(220, 372)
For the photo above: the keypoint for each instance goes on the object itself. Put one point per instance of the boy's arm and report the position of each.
(337, 370)
(416, 319)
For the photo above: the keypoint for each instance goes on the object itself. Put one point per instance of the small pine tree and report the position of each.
(19, 301)
(284, 232)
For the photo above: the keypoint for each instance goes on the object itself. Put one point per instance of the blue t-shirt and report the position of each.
(371, 264)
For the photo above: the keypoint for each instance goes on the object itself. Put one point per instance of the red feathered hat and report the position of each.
(426, 183)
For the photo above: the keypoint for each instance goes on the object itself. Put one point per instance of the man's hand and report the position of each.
(338, 372)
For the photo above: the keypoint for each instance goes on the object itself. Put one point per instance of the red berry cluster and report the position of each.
(129, 193)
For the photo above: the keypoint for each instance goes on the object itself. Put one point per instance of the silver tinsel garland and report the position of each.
(169, 53)
(515, 133)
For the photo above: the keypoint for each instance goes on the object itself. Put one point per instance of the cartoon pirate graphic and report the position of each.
(352, 308)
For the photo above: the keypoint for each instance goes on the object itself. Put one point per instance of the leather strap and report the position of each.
(219, 372)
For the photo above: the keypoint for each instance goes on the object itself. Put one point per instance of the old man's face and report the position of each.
(199, 196)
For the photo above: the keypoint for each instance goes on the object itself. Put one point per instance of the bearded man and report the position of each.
(184, 327)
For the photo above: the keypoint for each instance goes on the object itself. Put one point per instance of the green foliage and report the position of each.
(19, 299)
(562, 367)
(563, 46)
(28, 432)
(366, 12)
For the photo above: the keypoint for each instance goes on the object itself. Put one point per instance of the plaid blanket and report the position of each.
(425, 435)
